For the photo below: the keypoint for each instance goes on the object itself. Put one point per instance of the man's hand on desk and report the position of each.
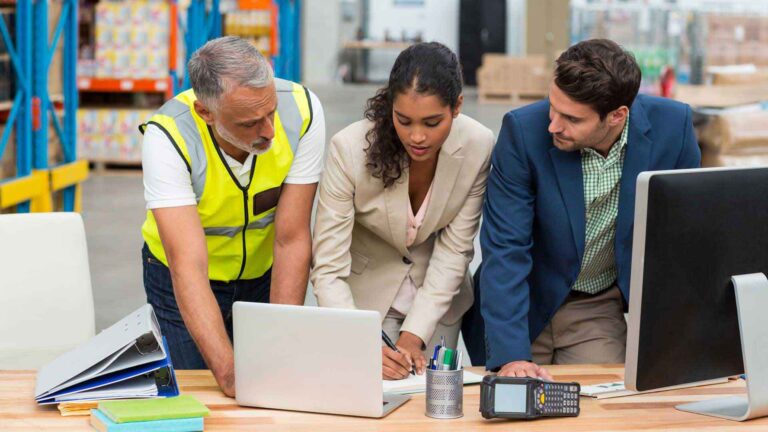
(524, 369)
(226, 380)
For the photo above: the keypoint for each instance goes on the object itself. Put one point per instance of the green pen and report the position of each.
(448, 359)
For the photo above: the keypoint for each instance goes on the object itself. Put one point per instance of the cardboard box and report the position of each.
(757, 77)
(55, 76)
(736, 132)
(721, 96)
(8, 158)
(738, 159)
(735, 140)
(509, 78)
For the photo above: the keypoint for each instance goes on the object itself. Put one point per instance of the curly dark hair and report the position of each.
(428, 68)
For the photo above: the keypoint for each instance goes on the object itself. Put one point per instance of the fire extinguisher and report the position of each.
(667, 82)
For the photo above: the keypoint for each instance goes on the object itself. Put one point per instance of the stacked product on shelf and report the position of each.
(111, 135)
(736, 39)
(123, 74)
(254, 25)
(132, 39)
(656, 35)
(686, 36)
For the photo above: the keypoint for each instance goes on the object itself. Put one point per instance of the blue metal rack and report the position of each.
(202, 26)
(288, 60)
(287, 63)
(33, 109)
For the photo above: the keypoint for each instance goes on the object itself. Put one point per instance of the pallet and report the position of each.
(515, 99)
(509, 80)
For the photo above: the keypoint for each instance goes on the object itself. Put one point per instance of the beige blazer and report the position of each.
(359, 255)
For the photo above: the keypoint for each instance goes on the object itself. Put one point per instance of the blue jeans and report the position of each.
(159, 289)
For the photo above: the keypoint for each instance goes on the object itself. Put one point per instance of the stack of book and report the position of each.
(175, 414)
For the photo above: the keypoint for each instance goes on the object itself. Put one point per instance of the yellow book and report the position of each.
(79, 408)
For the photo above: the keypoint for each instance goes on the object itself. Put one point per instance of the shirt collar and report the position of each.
(617, 147)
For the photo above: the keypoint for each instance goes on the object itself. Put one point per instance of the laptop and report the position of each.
(313, 359)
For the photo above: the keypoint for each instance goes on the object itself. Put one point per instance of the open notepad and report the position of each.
(418, 383)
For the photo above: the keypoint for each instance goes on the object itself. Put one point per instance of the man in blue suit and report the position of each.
(558, 218)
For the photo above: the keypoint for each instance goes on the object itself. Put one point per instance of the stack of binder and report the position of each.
(128, 360)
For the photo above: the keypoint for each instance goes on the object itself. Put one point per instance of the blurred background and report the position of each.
(78, 76)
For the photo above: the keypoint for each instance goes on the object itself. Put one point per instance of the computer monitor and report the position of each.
(694, 230)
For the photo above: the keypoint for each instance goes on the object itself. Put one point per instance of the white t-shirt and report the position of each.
(167, 182)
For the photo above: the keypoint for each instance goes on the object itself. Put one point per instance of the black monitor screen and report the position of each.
(701, 228)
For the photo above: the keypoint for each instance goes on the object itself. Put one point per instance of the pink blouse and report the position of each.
(406, 294)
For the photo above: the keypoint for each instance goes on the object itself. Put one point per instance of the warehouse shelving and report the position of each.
(33, 109)
(122, 146)
(162, 85)
(204, 20)
(688, 35)
(284, 47)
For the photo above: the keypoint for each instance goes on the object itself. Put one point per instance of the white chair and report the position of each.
(46, 302)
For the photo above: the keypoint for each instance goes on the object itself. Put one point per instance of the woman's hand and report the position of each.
(413, 348)
(395, 365)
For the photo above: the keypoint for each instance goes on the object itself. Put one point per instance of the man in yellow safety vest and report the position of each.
(230, 172)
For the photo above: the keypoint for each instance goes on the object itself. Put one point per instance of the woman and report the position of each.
(399, 207)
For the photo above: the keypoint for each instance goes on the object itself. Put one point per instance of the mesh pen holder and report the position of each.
(445, 393)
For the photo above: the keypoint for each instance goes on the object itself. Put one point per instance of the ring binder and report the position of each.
(129, 359)
(152, 343)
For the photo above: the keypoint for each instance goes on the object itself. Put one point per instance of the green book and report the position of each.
(103, 424)
(133, 410)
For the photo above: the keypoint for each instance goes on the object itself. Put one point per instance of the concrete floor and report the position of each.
(113, 208)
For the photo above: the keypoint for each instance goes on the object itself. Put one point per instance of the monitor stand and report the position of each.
(751, 300)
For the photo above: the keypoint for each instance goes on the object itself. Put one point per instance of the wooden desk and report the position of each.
(18, 412)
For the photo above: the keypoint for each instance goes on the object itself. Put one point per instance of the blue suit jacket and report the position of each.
(532, 236)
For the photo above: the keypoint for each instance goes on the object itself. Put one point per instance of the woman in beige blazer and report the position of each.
(399, 207)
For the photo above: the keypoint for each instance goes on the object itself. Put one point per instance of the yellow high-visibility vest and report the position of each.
(240, 243)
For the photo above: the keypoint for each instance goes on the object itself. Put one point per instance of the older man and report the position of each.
(230, 172)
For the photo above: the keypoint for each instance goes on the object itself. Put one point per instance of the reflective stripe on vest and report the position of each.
(240, 243)
(233, 231)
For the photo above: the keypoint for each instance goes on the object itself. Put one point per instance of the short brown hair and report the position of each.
(598, 73)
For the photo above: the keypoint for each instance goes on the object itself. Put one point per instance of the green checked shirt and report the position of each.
(602, 178)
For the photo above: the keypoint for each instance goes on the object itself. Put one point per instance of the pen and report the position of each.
(392, 346)
(447, 360)
(440, 359)
(433, 363)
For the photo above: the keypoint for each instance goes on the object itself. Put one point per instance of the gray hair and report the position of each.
(225, 63)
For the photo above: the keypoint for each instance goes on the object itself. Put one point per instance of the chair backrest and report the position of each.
(46, 302)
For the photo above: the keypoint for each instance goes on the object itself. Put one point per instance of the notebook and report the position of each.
(102, 423)
(418, 383)
(78, 408)
(180, 407)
